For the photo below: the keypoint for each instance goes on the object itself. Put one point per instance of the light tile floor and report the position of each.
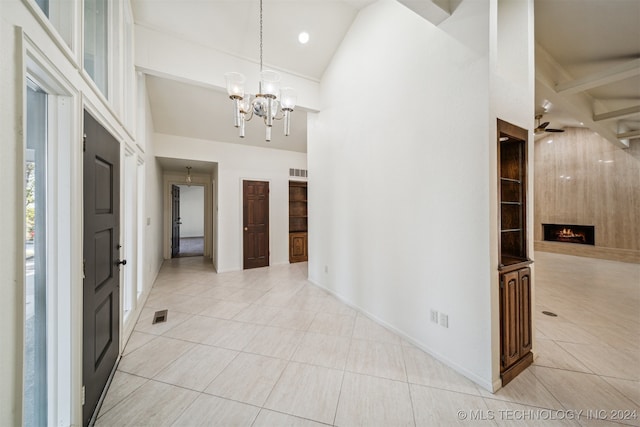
(266, 348)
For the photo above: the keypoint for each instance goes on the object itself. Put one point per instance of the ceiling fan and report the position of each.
(542, 127)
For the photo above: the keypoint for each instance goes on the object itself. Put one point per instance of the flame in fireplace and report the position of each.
(567, 233)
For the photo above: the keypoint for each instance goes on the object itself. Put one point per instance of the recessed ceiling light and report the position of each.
(550, 141)
(303, 37)
(581, 123)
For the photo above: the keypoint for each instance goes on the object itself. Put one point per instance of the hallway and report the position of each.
(265, 347)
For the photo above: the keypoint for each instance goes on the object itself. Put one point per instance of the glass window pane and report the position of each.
(35, 367)
(96, 42)
(44, 5)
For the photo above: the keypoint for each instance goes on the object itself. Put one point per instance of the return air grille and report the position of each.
(302, 173)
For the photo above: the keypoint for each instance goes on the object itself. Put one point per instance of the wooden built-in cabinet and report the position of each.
(298, 221)
(515, 322)
(514, 270)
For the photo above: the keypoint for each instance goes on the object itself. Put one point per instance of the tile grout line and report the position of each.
(344, 371)
(406, 372)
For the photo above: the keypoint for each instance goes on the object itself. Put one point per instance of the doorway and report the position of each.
(204, 178)
(255, 219)
(187, 217)
(101, 294)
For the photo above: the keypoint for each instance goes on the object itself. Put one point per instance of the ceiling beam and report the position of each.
(155, 54)
(578, 105)
(434, 11)
(617, 114)
(629, 135)
(613, 74)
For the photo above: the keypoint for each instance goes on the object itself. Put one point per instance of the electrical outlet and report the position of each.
(434, 316)
(444, 320)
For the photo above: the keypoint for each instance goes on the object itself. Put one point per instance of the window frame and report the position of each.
(64, 239)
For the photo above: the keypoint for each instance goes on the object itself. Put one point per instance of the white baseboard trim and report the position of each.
(492, 387)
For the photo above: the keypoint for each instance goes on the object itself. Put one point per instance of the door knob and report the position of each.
(246, 229)
(123, 262)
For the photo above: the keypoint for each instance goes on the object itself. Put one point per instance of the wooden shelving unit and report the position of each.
(298, 221)
(514, 270)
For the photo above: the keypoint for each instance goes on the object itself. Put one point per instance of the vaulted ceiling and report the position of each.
(587, 60)
(588, 65)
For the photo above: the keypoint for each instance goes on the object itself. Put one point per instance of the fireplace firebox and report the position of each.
(568, 233)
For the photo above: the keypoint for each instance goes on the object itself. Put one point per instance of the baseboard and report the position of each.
(489, 386)
(599, 252)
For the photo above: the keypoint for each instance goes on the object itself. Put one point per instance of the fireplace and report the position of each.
(568, 233)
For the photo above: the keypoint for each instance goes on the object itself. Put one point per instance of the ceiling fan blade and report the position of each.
(554, 130)
(544, 125)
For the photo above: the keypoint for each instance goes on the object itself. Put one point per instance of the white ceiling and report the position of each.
(585, 40)
(579, 38)
(232, 26)
(197, 112)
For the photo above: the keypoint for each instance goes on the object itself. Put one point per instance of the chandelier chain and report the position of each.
(260, 35)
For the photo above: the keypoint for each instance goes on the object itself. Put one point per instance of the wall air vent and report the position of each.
(301, 173)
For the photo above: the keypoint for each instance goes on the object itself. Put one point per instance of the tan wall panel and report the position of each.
(580, 178)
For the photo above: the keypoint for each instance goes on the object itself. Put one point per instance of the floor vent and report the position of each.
(548, 313)
(160, 316)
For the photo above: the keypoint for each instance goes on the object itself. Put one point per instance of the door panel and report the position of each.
(525, 310)
(509, 322)
(101, 249)
(297, 247)
(255, 223)
(175, 221)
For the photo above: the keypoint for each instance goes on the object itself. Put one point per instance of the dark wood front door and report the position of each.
(175, 221)
(255, 223)
(101, 294)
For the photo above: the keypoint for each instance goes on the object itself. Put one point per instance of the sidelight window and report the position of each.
(35, 314)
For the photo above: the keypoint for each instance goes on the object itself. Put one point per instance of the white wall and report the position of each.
(512, 93)
(402, 185)
(237, 162)
(153, 196)
(414, 135)
(191, 211)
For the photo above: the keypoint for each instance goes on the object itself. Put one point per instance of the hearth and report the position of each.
(569, 233)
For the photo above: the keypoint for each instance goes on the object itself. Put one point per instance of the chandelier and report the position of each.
(188, 179)
(264, 104)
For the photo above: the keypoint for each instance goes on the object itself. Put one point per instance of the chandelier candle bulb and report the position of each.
(235, 85)
(270, 82)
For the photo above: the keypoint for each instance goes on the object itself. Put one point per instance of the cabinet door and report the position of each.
(524, 277)
(297, 247)
(510, 314)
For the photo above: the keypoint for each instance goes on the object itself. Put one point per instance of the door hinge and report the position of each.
(502, 283)
(84, 142)
(502, 359)
(84, 268)
(82, 395)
